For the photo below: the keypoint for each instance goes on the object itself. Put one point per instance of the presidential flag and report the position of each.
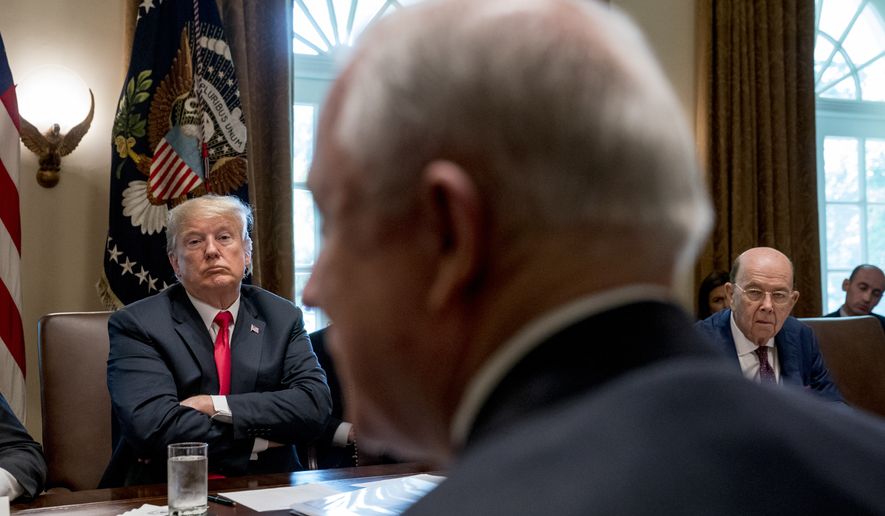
(179, 133)
(12, 341)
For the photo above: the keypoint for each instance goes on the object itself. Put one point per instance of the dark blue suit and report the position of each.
(161, 353)
(20, 455)
(798, 353)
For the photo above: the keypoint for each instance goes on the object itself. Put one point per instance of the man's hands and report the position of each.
(202, 403)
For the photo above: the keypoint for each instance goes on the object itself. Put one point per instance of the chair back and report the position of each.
(854, 351)
(76, 406)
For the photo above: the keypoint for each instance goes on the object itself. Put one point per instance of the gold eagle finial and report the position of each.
(52, 145)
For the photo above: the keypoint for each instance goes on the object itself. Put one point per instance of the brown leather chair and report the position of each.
(76, 406)
(854, 351)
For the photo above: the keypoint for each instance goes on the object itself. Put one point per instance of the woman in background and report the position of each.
(711, 294)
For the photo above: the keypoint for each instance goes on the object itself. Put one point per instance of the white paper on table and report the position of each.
(4, 506)
(147, 510)
(280, 498)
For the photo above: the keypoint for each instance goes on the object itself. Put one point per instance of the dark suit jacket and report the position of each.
(324, 452)
(799, 355)
(877, 316)
(161, 353)
(630, 412)
(20, 455)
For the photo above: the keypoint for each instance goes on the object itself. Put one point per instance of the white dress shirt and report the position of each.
(746, 352)
(222, 410)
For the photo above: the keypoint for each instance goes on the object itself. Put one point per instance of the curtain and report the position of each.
(756, 135)
(259, 35)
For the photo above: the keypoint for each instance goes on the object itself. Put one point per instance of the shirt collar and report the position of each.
(742, 344)
(208, 312)
(533, 334)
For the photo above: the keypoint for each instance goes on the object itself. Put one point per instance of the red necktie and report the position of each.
(222, 351)
(766, 373)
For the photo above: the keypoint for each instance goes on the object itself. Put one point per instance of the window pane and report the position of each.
(841, 169)
(304, 226)
(843, 236)
(876, 235)
(302, 136)
(835, 15)
(866, 38)
(302, 24)
(872, 81)
(834, 294)
(822, 50)
(875, 166)
(844, 88)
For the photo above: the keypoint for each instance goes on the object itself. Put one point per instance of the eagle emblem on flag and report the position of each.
(198, 142)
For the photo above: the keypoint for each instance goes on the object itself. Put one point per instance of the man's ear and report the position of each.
(729, 293)
(173, 261)
(453, 206)
(845, 284)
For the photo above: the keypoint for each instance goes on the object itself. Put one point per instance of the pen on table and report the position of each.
(220, 499)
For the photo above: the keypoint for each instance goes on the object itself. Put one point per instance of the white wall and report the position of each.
(669, 27)
(63, 228)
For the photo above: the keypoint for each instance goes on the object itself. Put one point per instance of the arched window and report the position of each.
(323, 31)
(849, 65)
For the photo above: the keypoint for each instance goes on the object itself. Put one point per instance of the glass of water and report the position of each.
(186, 466)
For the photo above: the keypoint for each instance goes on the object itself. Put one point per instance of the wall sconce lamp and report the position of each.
(55, 97)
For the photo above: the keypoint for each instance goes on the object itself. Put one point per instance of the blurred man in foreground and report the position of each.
(863, 291)
(508, 192)
(758, 332)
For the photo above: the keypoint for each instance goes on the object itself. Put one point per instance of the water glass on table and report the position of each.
(186, 466)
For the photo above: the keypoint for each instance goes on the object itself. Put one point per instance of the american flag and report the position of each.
(171, 174)
(12, 342)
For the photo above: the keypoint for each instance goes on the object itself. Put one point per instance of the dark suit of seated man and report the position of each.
(22, 466)
(758, 331)
(251, 395)
(337, 446)
(863, 291)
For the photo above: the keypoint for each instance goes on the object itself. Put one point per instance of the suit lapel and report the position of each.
(195, 337)
(786, 355)
(723, 324)
(246, 346)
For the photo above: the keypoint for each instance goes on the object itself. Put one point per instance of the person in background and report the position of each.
(336, 446)
(711, 294)
(22, 466)
(211, 360)
(509, 191)
(863, 291)
(758, 331)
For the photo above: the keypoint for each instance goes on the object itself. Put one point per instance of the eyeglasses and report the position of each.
(778, 297)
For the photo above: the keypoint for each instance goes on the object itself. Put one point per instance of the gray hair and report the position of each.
(557, 108)
(206, 206)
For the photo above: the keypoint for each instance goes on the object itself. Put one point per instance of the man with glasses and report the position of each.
(770, 345)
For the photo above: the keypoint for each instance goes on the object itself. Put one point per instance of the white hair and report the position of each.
(556, 107)
(210, 205)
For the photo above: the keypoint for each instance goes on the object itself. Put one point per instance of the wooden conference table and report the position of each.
(110, 502)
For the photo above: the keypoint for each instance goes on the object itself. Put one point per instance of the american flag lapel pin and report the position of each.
(254, 329)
